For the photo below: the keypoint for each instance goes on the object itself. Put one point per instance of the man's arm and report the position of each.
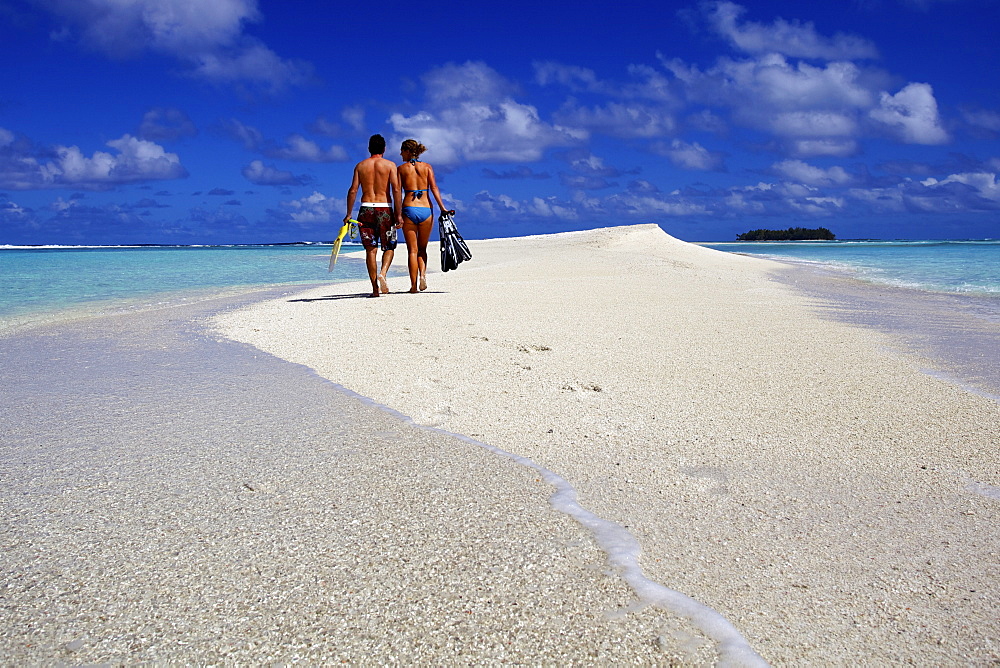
(393, 190)
(352, 194)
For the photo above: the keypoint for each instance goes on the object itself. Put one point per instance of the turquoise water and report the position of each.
(958, 267)
(46, 280)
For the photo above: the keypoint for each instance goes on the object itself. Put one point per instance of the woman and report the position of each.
(417, 179)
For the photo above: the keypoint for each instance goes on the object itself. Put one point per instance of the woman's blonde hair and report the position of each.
(414, 147)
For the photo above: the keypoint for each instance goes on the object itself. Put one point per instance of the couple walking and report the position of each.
(393, 197)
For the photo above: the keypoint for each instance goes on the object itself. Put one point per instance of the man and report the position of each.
(381, 210)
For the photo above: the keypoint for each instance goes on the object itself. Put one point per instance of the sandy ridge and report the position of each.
(798, 475)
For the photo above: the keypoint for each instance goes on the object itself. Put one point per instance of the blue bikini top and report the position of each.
(417, 194)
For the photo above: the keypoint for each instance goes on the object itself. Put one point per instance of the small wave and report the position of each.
(622, 549)
(989, 491)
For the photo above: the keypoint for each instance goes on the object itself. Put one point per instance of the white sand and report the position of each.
(800, 476)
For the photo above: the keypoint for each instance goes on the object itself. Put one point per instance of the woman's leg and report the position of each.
(410, 234)
(423, 236)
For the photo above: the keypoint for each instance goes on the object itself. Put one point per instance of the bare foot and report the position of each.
(413, 291)
(375, 294)
(423, 283)
(382, 285)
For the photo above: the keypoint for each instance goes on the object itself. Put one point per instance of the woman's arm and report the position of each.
(432, 186)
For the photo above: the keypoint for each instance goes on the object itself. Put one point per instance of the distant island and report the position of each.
(791, 234)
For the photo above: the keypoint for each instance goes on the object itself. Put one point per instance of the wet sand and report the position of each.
(957, 335)
(799, 474)
(171, 497)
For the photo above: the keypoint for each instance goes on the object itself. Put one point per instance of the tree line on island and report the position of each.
(791, 234)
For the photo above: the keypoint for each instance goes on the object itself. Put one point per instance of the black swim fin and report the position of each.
(454, 250)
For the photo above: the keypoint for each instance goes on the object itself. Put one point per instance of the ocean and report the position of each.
(40, 283)
(957, 267)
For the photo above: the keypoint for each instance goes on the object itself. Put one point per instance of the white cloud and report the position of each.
(796, 85)
(133, 161)
(209, 36)
(12, 211)
(818, 207)
(645, 112)
(813, 110)
(249, 136)
(166, 124)
(965, 192)
(811, 175)
(471, 115)
(550, 208)
(296, 147)
(707, 120)
(572, 77)
(774, 84)
(269, 175)
(588, 171)
(472, 81)
(643, 201)
(487, 205)
(924, 5)
(645, 82)
(253, 63)
(983, 183)
(59, 204)
(323, 126)
(354, 117)
(124, 27)
(587, 163)
(618, 120)
(805, 196)
(987, 120)
(691, 156)
(791, 38)
(315, 208)
(650, 207)
(834, 147)
(814, 123)
(911, 115)
(303, 150)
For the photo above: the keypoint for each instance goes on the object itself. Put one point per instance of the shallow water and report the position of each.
(958, 334)
(36, 282)
(960, 267)
(940, 299)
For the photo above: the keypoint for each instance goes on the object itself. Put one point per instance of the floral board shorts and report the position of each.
(376, 227)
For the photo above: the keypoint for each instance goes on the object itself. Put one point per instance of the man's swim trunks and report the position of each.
(375, 226)
(417, 214)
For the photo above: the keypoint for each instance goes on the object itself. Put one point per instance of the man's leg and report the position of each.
(386, 261)
(371, 260)
(387, 240)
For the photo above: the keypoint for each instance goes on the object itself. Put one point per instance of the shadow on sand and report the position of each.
(363, 295)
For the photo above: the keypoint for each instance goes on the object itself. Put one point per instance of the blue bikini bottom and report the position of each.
(417, 214)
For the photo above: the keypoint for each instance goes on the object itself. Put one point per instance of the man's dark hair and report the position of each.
(376, 145)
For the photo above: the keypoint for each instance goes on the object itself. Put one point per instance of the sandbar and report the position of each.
(800, 475)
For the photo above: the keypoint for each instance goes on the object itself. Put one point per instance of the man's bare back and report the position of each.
(374, 175)
(377, 179)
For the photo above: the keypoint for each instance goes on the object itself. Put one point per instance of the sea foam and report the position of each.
(622, 550)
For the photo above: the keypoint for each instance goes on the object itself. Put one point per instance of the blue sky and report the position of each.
(239, 121)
